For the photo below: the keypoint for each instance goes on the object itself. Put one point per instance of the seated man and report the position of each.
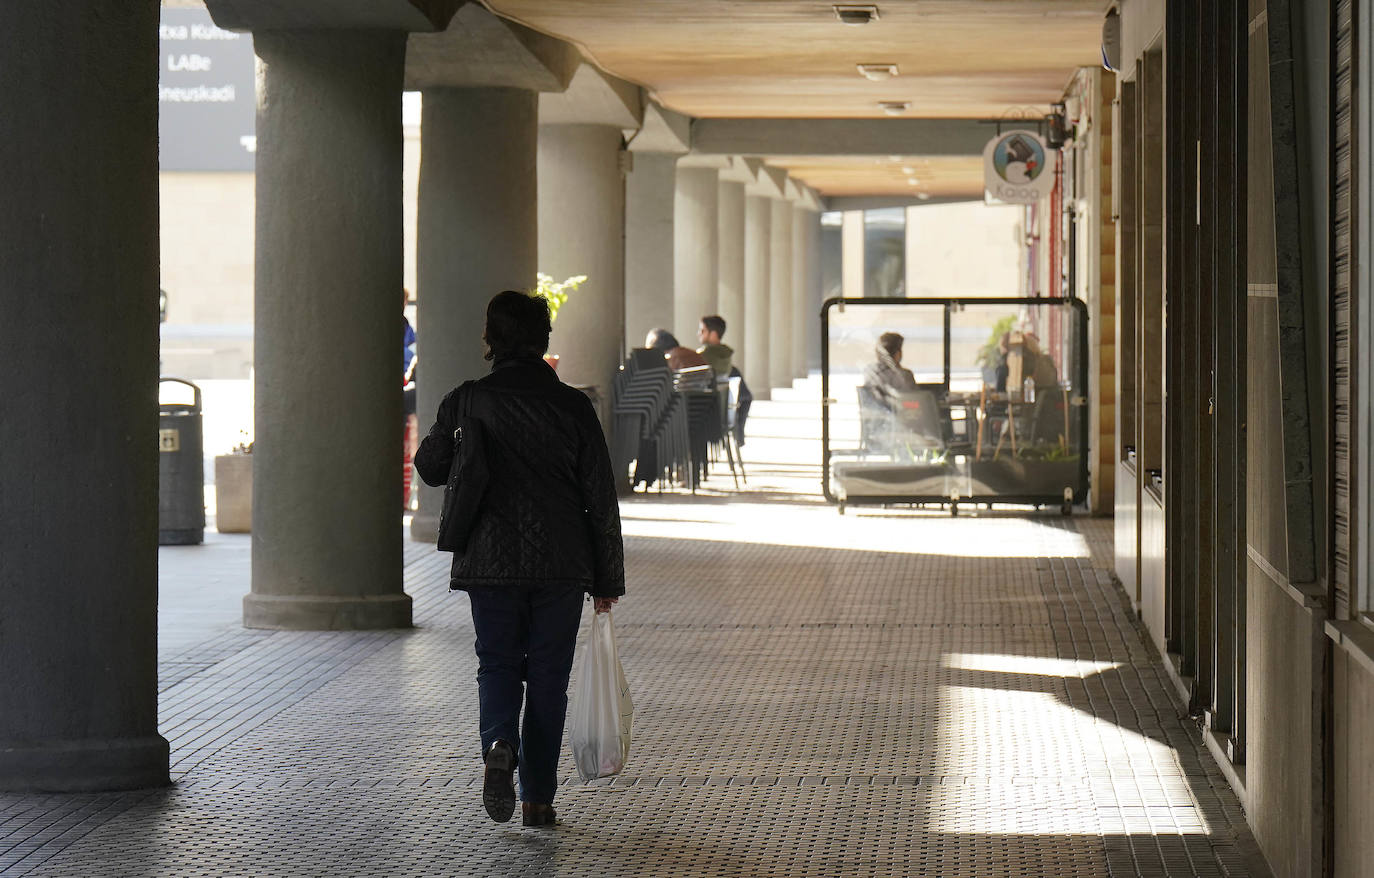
(716, 354)
(678, 357)
(885, 379)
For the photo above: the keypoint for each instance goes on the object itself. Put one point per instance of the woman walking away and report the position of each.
(547, 531)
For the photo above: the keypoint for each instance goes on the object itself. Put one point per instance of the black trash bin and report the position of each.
(181, 471)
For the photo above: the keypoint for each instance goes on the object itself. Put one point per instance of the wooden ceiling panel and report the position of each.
(935, 176)
(788, 59)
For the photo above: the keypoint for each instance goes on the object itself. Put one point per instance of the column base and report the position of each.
(424, 527)
(326, 612)
(85, 765)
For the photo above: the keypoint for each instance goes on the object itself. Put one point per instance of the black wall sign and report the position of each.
(205, 95)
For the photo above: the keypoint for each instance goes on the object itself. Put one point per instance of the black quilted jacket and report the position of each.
(549, 514)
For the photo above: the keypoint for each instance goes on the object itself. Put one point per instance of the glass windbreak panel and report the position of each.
(944, 400)
(886, 375)
(885, 252)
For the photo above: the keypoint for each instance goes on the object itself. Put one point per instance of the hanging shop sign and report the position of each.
(206, 103)
(1016, 168)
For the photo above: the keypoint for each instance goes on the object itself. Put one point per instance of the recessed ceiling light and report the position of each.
(906, 169)
(894, 158)
(924, 196)
(877, 72)
(912, 181)
(894, 108)
(856, 13)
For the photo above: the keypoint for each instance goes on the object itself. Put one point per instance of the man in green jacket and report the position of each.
(716, 355)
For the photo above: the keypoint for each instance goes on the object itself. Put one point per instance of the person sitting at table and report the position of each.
(715, 352)
(1035, 363)
(678, 357)
(885, 379)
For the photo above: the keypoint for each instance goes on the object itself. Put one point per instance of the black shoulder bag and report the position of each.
(467, 479)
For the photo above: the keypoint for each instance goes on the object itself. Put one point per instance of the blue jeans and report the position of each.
(525, 639)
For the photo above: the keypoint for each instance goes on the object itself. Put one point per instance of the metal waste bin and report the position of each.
(181, 470)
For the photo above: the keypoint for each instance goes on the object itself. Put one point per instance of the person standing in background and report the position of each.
(412, 424)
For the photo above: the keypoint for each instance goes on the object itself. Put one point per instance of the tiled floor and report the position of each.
(889, 692)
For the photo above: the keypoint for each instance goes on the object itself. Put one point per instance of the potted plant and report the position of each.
(556, 294)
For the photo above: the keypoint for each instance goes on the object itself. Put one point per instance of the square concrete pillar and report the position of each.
(79, 458)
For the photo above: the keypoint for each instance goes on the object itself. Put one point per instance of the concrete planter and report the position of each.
(234, 493)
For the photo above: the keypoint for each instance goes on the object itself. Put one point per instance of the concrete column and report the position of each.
(815, 292)
(852, 254)
(805, 322)
(477, 235)
(581, 231)
(649, 242)
(696, 214)
(781, 301)
(758, 222)
(730, 264)
(79, 459)
(326, 540)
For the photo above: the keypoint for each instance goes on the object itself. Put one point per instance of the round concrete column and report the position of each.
(649, 243)
(695, 224)
(730, 263)
(813, 289)
(581, 231)
(781, 301)
(326, 480)
(477, 234)
(758, 222)
(78, 458)
(805, 321)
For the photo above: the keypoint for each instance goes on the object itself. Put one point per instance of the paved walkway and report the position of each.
(883, 693)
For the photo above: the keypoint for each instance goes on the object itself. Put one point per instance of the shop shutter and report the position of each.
(1341, 302)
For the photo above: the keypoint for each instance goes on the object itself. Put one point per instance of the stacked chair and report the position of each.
(650, 426)
(697, 387)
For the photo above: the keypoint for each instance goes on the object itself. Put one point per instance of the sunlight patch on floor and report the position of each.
(1015, 759)
(896, 531)
(1027, 664)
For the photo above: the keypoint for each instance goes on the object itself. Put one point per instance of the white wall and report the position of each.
(967, 249)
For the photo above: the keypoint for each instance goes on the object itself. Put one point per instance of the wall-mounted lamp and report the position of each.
(894, 108)
(1056, 127)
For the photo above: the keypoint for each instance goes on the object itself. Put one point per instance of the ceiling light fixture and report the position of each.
(877, 72)
(924, 196)
(894, 108)
(908, 170)
(856, 13)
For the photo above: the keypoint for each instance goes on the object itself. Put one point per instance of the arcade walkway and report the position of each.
(883, 693)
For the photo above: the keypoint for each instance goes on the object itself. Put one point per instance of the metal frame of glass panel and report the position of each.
(943, 437)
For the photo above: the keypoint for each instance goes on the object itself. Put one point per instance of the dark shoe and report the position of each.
(535, 814)
(498, 785)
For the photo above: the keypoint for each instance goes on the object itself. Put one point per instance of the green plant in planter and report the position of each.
(1050, 452)
(555, 293)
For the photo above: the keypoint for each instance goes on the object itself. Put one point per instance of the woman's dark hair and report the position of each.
(661, 340)
(891, 342)
(518, 325)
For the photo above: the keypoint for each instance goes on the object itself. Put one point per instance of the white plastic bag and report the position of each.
(602, 710)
